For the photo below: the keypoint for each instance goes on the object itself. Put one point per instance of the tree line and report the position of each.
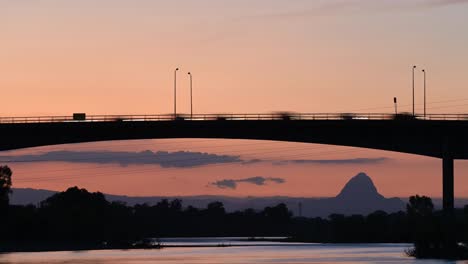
(76, 219)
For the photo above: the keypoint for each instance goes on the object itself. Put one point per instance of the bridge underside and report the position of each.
(440, 139)
(428, 138)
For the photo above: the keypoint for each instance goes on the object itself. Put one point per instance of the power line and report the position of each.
(131, 155)
(184, 160)
(407, 105)
(133, 172)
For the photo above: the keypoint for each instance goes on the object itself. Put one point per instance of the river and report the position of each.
(231, 251)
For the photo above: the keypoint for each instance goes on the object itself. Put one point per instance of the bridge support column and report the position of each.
(448, 185)
(449, 242)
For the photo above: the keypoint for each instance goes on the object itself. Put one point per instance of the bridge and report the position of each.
(441, 136)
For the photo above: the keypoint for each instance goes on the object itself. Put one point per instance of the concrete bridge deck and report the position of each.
(440, 136)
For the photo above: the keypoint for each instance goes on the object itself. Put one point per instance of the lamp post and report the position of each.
(395, 102)
(424, 72)
(175, 93)
(414, 67)
(191, 98)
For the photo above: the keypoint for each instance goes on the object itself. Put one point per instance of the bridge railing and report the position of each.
(227, 117)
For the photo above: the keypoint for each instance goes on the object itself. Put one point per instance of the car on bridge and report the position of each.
(404, 116)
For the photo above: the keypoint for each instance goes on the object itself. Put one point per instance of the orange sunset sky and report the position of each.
(58, 57)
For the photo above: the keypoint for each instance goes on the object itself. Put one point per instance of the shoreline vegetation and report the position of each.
(79, 220)
(461, 251)
(144, 244)
(425, 251)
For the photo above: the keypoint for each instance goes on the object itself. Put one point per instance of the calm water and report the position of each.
(251, 253)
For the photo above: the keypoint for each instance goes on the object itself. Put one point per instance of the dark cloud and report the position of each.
(277, 180)
(252, 161)
(226, 184)
(180, 159)
(335, 161)
(232, 184)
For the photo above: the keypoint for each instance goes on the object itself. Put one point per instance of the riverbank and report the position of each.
(168, 243)
(10, 247)
(438, 251)
(286, 254)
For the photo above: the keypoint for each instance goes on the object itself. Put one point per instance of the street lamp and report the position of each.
(175, 93)
(396, 106)
(424, 72)
(414, 67)
(191, 98)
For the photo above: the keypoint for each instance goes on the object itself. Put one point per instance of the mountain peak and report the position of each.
(360, 187)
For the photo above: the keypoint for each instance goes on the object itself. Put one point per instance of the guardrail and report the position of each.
(223, 117)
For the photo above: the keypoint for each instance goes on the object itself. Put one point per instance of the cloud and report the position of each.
(446, 2)
(180, 159)
(342, 7)
(260, 181)
(225, 184)
(252, 161)
(335, 161)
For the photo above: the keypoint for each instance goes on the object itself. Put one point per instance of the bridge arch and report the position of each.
(435, 138)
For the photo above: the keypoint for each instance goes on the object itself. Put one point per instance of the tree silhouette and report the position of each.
(279, 213)
(424, 227)
(176, 205)
(5, 186)
(215, 209)
(421, 206)
(75, 214)
(77, 219)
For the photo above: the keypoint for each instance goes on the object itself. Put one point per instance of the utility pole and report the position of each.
(191, 98)
(424, 72)
(175, 93)
(414, 113)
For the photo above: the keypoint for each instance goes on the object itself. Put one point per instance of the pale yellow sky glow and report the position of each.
(58, 57)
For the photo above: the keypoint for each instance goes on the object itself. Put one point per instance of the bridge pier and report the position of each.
(448, 203)
(448, 184)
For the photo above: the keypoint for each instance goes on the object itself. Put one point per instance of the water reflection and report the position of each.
(273, 253)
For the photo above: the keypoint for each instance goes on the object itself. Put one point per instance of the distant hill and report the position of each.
(358, 196)
(25, 196)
